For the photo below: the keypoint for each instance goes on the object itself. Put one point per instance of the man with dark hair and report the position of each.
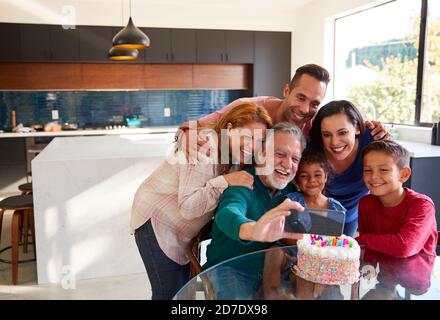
(302, 97)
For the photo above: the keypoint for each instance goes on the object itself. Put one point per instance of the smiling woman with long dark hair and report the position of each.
(338, 130)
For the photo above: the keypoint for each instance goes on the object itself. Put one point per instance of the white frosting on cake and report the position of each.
(305, 245)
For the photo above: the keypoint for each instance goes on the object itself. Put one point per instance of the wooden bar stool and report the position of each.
(25, 188)
(22, 205)
(25, 223)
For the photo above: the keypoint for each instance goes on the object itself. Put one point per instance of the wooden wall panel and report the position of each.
(80, 76)
(11, 75)
(112, 76)
(52, 75)
(218, 76)
(168, 76)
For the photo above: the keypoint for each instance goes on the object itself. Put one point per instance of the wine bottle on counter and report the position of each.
(13, 119)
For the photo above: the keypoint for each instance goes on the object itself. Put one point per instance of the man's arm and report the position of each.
(378, 130)
(270, 226)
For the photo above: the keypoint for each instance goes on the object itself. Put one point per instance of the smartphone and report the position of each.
(326, 222)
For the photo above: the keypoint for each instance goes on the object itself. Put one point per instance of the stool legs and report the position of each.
(25, 230)
(14, 245)
(32, 228)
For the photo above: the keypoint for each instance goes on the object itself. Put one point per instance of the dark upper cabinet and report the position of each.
(160, 45)
(219, 46)
(170, 45)
(210, 46)
(64, 43)
(11, 39)
(183, 46)
(95, 42)
(239, 46)
(272, 63)
(35, 42)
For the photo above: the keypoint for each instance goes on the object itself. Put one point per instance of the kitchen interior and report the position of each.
(86, 129)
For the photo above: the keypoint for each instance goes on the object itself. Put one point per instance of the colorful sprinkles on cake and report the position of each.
(320, 268)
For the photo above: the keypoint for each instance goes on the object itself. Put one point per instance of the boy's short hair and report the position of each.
(400, 155)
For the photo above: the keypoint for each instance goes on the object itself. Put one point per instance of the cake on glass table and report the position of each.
(328, 259)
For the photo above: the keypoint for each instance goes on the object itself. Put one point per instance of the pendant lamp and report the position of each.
(131, 37)
(122, 54)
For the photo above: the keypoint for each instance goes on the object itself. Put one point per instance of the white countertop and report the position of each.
(106, 147)
(89, 132)
(420, 150)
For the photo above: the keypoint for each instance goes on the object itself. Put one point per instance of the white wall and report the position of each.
(198, 14)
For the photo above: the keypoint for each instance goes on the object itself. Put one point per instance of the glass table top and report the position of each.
(270, 274)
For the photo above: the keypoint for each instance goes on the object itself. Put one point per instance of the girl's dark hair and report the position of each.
(332, 108)
(313, 156)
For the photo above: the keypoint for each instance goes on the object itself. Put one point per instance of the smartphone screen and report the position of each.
(316, 221)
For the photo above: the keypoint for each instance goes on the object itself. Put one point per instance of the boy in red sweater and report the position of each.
(392, 219)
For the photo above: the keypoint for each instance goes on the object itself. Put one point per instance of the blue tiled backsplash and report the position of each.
(100, 108)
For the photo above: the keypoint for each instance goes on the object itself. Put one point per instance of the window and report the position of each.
(431, 77)
(377, 57)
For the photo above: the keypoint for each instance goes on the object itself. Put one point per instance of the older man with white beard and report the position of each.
(250, 220)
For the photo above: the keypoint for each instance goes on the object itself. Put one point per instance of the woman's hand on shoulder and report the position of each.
(240, 178)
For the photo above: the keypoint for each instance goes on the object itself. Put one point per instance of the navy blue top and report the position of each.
(348, 187)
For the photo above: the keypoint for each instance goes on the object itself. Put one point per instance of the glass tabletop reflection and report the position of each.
(270, 274)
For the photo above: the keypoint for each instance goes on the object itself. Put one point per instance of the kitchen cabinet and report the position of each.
(272, 63)
(35, 42)
(223, 46)
(170, 45)
(425, 179)
(64, 43)
(11, 38)
(95, 42)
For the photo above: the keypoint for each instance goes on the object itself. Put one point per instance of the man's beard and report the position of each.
(278, 183)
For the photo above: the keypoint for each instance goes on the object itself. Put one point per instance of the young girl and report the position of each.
(311, 179)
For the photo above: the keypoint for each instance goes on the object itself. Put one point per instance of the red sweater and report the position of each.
(401, 231)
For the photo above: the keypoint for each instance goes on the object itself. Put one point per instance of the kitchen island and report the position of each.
(83, 191)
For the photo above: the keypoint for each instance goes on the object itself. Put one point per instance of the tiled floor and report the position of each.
(123, 287)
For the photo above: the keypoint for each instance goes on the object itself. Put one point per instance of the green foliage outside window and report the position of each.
(392, 94)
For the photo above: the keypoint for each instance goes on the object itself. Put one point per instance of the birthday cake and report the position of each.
(328, 260)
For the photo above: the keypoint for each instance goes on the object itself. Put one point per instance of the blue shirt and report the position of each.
(332, 203)
(304, 218)
(348, 187)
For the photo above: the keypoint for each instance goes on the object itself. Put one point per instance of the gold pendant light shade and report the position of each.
(122, 54)
(131, 37)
